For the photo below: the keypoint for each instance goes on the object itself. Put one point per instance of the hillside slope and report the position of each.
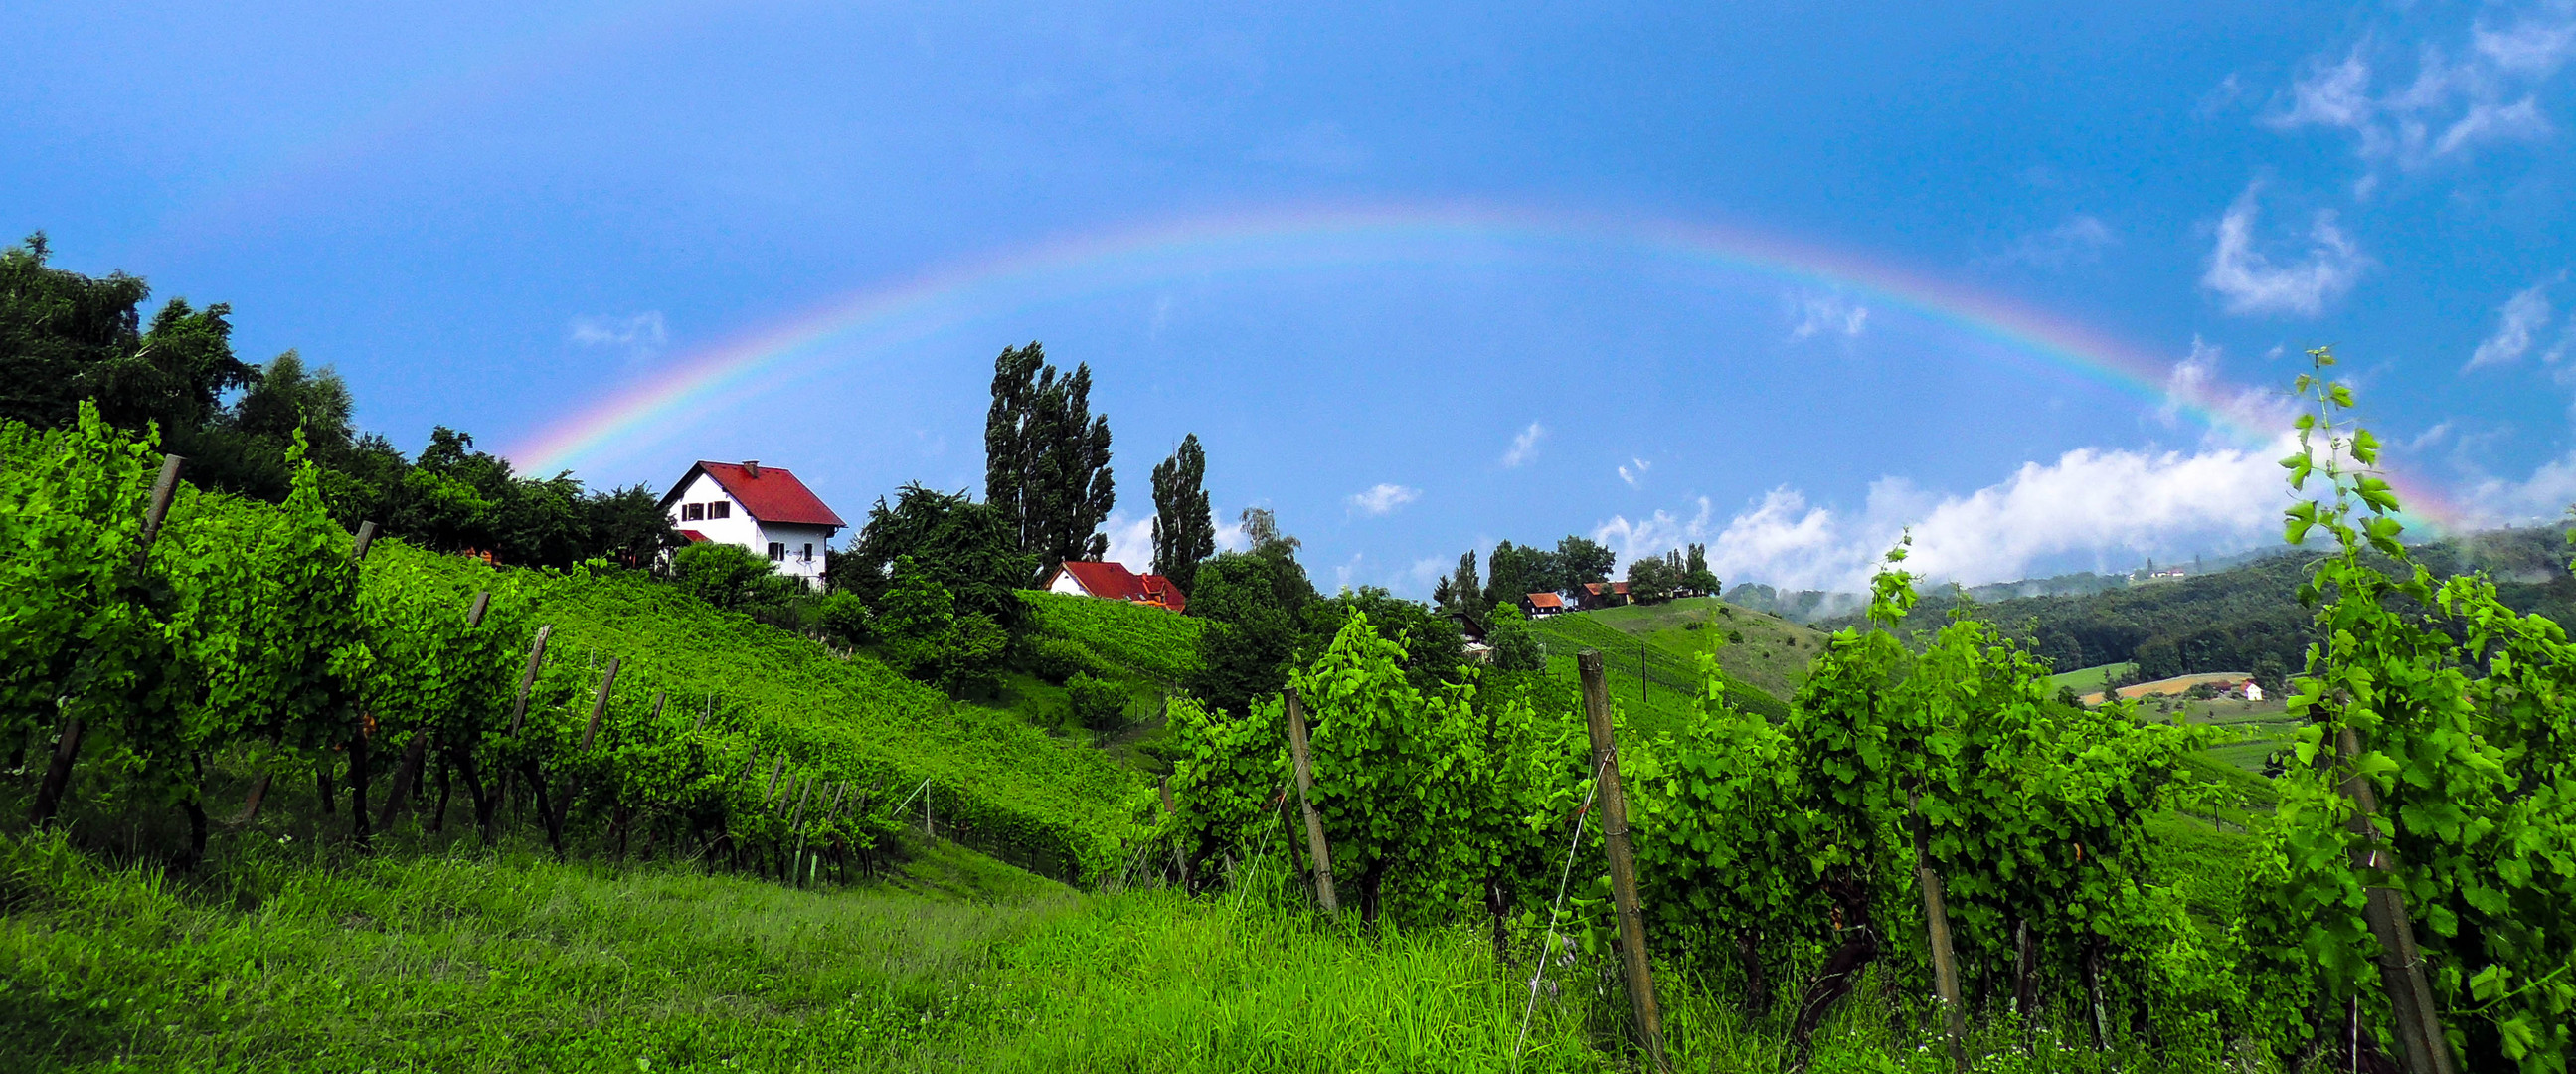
(1650, 655)
(789, 693)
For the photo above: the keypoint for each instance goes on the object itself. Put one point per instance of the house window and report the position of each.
(777, 550)
(691, 512)
(720, 509)
(809, 553)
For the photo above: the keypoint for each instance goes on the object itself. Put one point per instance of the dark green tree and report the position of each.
(1184, 524)
(1580, 560)
(1433, 645)
(1460, 591)
(1513, 571)
(1696, 577)
(1516, 646)
(1253, 601)
(966, 548)
(1046, 459)
(627, 526)
(923, 633)
(54, 325)
(1652, 579)
(287, 397)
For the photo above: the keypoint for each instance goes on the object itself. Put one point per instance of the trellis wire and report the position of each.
(1549, 944)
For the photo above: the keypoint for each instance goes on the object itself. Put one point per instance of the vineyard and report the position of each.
(1924, 859)
(188, 654)
(1940, 823)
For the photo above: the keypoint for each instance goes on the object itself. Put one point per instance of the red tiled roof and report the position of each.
(1115, 582)
(1545, 600)
(694, 536)
(774, 496)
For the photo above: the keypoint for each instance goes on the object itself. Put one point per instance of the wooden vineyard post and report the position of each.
(489, 811)
(528, 678)
(1936, 925)
(589, 734)
(2423, 1047)
(406, 774)
(1315, 843)
(1623, 858)
(659, 696)
(67, 744)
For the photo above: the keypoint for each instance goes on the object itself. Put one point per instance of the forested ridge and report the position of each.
(2245, 618)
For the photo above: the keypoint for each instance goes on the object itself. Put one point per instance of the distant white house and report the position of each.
(760, 508)
(2253, 691)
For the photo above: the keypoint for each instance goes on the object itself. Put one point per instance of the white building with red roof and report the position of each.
(761, 508)
(1113, 581)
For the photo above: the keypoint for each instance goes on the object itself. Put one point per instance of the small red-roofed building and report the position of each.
(1535, 605)
(1113, 581)
(761, 508)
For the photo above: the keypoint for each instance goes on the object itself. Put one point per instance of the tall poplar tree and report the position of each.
(1184, 526)
(1046, 458)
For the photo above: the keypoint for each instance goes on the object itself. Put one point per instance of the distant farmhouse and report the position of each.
(760, 508)
(1113, 581)
(1593, 595)
(1535, 605)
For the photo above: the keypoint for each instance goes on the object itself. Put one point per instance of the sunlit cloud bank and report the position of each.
(2091, 508)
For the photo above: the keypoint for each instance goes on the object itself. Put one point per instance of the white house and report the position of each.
(761, 508)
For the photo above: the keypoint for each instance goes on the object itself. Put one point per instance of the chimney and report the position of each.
(751, 468)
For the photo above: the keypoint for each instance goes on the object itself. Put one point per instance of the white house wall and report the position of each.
(1065, 584)
(743, 531)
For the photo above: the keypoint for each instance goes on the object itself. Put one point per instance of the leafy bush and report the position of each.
(1097, 704)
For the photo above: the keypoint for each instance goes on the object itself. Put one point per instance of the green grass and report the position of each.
(1649, 659)
(1766, 653)
(2090, 680)
(789, 693)
(469, 962)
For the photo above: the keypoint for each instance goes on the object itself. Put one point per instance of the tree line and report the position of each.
(66, 337)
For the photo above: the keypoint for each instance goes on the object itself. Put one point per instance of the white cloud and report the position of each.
(642, 331)
(2518, 322)
(2535, 46)
(2194, 382)
(2111, 506)
(1828, 315)
(2450, 106)
(2252, 283)
(1320, 146)
(1229, 533)
(1383, 498)
(2079, 240)
(1635, 478)
(2544, 496)
(1524, 445)
(1131, 541)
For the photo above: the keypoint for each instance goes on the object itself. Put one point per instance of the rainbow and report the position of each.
(876, 320)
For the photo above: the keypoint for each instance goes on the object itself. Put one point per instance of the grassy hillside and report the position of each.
(2090, 680)
(1649, 654)
(790, 694)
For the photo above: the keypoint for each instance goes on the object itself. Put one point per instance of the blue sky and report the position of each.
(493, 218)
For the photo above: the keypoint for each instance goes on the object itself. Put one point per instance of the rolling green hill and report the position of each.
(1649, 653)
(791, 693)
